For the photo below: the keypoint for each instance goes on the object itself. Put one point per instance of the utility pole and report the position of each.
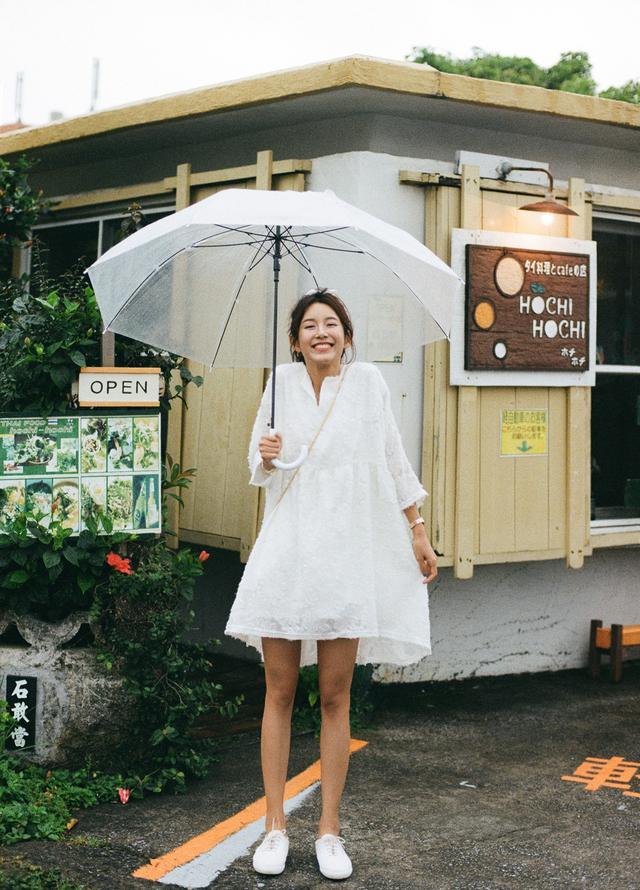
(18, 100)
(94, 84)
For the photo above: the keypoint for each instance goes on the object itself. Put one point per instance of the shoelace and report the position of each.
(273, 838)
(333, 845)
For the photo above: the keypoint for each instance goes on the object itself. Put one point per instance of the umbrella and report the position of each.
(209, 281)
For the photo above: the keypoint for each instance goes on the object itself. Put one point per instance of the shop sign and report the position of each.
(526, 310)
(70, 468)
(21, 702)
(528, 316)
(523, 432)
(118, 387)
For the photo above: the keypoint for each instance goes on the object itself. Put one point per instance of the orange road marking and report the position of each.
(201, 843)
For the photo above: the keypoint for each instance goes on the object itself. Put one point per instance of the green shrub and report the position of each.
(140, 621)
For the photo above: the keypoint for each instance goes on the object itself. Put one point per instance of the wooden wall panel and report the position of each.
(484, 507)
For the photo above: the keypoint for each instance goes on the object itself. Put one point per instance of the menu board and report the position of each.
(71, 468)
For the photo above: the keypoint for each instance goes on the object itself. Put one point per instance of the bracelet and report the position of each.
(418, 521)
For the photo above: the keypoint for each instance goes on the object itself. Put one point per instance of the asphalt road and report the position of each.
(459, 788)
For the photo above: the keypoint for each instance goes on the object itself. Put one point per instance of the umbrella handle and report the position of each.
(281, 465)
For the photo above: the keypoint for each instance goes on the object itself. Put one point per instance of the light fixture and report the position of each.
(549, 205)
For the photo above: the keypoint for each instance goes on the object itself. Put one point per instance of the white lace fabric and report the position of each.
(335, 558)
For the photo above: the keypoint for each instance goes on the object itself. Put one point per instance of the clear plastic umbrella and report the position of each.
(210, 281)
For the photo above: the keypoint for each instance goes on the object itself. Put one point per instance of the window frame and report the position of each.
(25, 258)
(631, 524)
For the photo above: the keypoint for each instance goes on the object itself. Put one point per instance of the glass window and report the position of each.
(618, 292)
(615, 399)
(63, 245)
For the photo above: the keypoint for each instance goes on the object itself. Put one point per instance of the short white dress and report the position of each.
(334, 558)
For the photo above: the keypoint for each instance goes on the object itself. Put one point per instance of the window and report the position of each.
(615, 420)
(85, 239)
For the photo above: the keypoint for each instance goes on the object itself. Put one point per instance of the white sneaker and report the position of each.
(270, 857)
(332, 856)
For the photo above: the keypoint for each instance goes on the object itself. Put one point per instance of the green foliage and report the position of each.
(49, 574)
(572, 73)
(307, 713)
(17, 874)
(44, 340)
(628, 92)
(20, 209)
(140, 620)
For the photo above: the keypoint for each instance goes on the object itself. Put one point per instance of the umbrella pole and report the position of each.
(304, 450)
(276, 280)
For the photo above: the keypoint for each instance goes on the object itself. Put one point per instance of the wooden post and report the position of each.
(467, 482)
(578, 475)
(255, 501)
(615, 653)
(175, 417)
(264, 170)
(594, 652)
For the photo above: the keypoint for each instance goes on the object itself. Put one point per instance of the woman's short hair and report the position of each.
(329, 298)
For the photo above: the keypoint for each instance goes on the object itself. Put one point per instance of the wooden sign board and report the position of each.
(526, 310)
(118, 387)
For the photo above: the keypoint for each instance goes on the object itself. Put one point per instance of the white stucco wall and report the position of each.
(371, 181)
(528, 616)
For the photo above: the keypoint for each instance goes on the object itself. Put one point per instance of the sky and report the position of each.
(150, 48)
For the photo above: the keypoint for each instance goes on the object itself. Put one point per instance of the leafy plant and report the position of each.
(307, 714)
(140, 617)
(44, 340)
(20, 208)
(45, 572)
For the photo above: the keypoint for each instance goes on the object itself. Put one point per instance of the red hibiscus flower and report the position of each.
(119, 563)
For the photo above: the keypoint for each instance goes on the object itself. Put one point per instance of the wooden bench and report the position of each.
(611, 640)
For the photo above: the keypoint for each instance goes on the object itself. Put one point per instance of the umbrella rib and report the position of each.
(144, 281)
(321, 231)
(393, 272)
(233, 304)
(306, 265)
(334, 249)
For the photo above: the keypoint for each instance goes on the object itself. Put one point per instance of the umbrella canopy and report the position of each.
(200, 283)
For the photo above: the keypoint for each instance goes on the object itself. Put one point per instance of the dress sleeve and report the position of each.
(260, 476)
(408, 487)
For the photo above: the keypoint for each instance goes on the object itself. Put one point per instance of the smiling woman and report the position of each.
(334, 576)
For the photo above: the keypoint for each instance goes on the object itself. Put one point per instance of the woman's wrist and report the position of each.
(267, 466)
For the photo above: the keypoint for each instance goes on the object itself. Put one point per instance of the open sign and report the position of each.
(118, 387)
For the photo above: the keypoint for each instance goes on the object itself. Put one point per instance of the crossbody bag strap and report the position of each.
(313, 441)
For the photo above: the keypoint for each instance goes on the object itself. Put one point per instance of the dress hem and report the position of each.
(231, 630)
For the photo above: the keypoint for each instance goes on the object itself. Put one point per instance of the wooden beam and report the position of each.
(169, 184)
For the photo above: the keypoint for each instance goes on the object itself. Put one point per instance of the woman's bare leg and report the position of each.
(282, 665)
(336, 660)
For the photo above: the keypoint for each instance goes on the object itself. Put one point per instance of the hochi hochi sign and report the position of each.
(526, 310)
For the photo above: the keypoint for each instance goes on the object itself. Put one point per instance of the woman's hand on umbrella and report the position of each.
(269, 447)
(425, 556)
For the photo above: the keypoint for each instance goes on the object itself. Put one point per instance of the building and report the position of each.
(531, 549)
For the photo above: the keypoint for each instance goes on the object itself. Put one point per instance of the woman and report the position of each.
(332, 576)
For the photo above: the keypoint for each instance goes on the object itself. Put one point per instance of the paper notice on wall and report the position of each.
(385, 329)
(523, 432)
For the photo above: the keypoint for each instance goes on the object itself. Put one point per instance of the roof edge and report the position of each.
(358, 70)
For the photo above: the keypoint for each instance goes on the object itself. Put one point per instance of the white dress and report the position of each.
(335, 558)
